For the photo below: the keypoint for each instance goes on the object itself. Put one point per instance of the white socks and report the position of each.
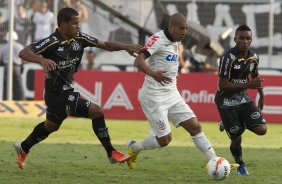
(200, 140)
(204, 145)
(148, 143)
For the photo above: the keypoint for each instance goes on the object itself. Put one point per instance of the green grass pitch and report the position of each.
(74, 155)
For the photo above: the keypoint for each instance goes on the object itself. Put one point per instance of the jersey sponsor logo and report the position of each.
(151, 42)
(240, 81)
(60, 49)
(75, 46)
(171, 57)
(230, 102)
(255, 115)
(234, 129)
(237, 67)
(41, 44)
(68, 63)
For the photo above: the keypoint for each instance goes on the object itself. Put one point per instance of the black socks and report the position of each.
(237, 155)
(101, 131)
(38, 134)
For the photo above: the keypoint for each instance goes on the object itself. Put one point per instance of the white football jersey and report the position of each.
(163, 56)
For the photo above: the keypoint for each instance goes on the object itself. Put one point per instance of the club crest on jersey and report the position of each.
(171, 57)
(75, 46)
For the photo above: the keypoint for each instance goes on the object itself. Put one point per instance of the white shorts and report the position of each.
(160, 109)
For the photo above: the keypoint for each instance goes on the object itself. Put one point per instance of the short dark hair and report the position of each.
(65, 15)
(243, 28)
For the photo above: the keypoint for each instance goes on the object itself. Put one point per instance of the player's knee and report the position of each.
(51, 126)
(192, 126)
(95, 111)
(261, 130)
(164, 141)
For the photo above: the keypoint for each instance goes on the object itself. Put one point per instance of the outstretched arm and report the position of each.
(132, 49)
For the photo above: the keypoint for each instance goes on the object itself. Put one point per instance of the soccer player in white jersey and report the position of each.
(159, 96)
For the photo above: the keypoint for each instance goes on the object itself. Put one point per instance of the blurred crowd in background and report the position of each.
(34, 20)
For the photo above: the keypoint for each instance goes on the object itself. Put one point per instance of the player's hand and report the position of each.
(260, 103)
(49, 65)
(256, 83)
(134, 49)
(161, 78)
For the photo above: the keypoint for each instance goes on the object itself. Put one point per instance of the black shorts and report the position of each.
(62, 105)
(236, 120)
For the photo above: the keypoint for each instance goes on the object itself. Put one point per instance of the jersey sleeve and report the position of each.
(44, 46)
(87, 40)
(224, 66)
(153, 45)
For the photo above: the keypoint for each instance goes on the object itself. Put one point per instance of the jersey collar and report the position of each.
(251, 54)
(59, 35)
(61, 38)
(168, 35)
(236, 51)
